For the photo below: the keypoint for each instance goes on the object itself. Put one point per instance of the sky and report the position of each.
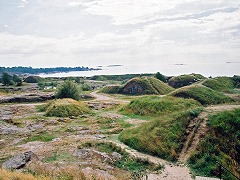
(50, 33)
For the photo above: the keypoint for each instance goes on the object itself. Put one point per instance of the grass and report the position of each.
(65, 108)
(44, 137)
(10, 175)
(60, 156)
(205, 96)
(163, 136)
(155, 105)
(220, 144)
(111, 89)
(220, 83)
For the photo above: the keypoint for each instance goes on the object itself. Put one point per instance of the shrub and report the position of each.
(203, 95)
(33, 79)
(161, 77)
(68, 89)
(111, 89)
(65, 108)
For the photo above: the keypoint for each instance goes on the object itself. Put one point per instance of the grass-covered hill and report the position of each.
(140, 85)
(184, 80)
(164, 135)
(204, 95)
(220, 83)
(222, 143)
(65, 108)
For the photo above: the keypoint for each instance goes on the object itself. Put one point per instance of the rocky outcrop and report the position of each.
(27, 98)
(18, 161)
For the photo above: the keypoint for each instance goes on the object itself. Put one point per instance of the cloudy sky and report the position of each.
(47, 33)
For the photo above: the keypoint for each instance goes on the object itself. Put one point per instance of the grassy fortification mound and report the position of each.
(65, 108)
(220, 83)
(220, 144)
(164, 135)
(205, 96)
(111, 89)
(184, 80)
(145, 85)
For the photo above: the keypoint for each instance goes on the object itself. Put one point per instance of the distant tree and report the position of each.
(6, 79)
(161, 77)
(68, 89)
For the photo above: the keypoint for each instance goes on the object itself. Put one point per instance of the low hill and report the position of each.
(220, 144)
(65, 108)
(204, 95)
(145, 85)
(220, 83)
(111, 89)
(184, 80)
(164, 135)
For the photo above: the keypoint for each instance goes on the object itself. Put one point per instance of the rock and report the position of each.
(100, 136)
(18, 161)
(116, 156)
(82, 153)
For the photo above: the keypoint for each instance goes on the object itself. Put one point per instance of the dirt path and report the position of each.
(198, 128)
(170, 171)
(101, 97)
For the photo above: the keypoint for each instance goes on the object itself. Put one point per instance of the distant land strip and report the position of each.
(29, 70)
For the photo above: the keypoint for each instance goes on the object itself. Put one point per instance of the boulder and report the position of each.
(18, 161)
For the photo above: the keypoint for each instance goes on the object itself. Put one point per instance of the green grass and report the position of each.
(220, 144)
(60, 156)
(155, 105)
(65, 108)
(205, 96)
(163, 135)
(111, 89)
(220, 83)
(44, 137)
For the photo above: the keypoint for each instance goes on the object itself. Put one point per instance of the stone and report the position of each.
(116, 156)
(18, 161)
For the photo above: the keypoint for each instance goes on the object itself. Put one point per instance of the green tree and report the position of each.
(17, 80)
(68, 89)
(161, 77)
(6, 79)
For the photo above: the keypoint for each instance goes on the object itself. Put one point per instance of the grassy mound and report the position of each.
(65, 108)
(163, 136)
(111, 89)
(184, 80)
(155, 105)
(145, 85)
(203, 95)
(220, 144)
(220, 83)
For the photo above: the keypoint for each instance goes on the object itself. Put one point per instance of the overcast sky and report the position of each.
(47, 33)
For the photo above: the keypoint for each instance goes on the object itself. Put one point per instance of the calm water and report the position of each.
(207, 69)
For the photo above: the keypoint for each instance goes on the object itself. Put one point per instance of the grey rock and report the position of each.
(18, 161)
(116, 156)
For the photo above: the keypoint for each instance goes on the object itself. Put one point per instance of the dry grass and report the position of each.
(9, 175)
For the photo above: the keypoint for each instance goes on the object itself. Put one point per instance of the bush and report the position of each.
(111, 89)
(33, 79)
(161, 77)
(65, 108)
(68, 89)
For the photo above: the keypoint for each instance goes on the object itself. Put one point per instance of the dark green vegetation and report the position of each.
(68, 89)
(65, 108)
(164, 135)
(123, 77)
(222, 143)
(184, 80)
(161, 77)
(220, 83)
(7, 79)
(44, 137)
(203, 95)
(30, 70)
(33, 79)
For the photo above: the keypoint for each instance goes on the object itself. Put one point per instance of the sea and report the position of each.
(167, 69)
